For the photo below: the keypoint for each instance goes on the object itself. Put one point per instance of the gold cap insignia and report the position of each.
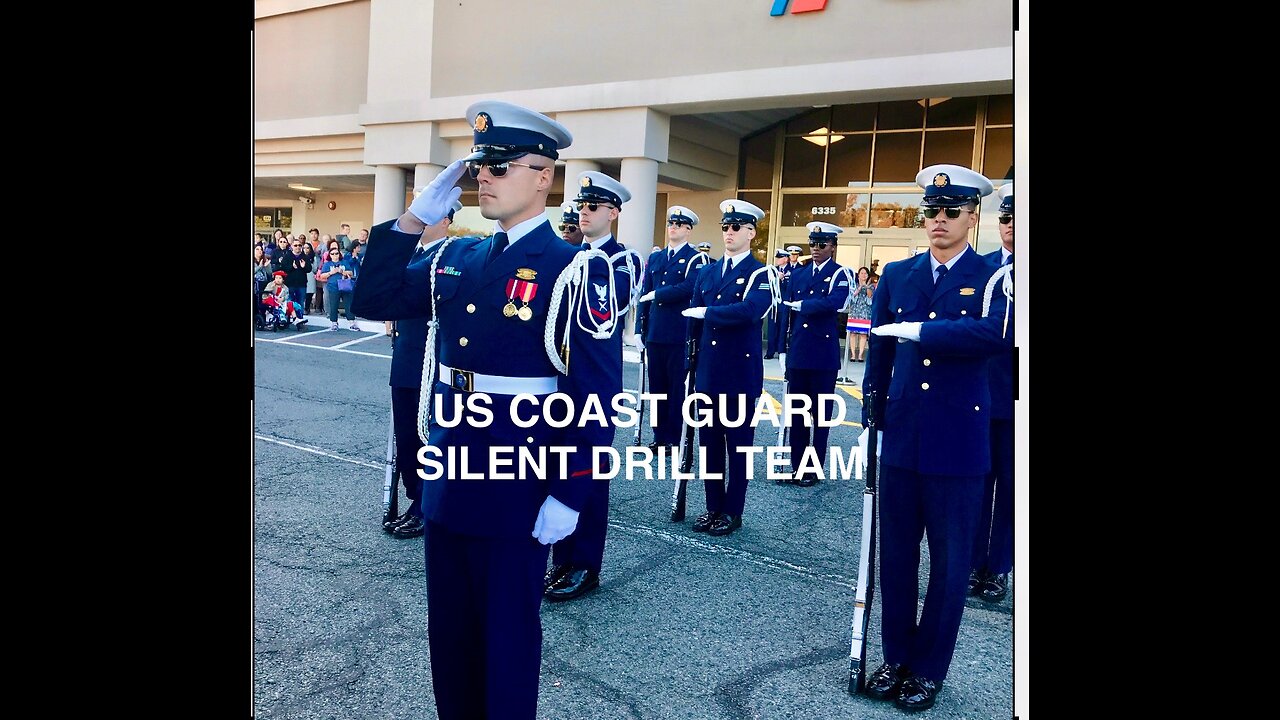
(483, 121)
(586, 182)
(731, 209)
(966, 291)
(526, 273)
(941, 180)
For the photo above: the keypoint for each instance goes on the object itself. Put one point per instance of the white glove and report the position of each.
(637, 342)
(437, 197)
(793, 304)
(782, 360)
(646, 297)
(696, 313)
(904, 330)
(862, 444)
(556, 521)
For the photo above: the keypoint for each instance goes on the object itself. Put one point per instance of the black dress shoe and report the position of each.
(705, 521)
(576, 583)
(917, 693)
(768, 357)
(994, 587)
(389, 525)
(725, 524)
(411, 528)
(808, 480)
(554, 574)
(976, 578)
(886, 681)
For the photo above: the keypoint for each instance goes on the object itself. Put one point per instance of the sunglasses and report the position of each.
(734, 226)
(952, 213)
(496, 169)
(592, 206)
(1005, 219)
(673, 223)
(296, 245)
(820, 244)
(568, 228)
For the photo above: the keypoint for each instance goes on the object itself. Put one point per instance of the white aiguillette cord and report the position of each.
(775, 288)
(636, 273)
(576, 278)
(429, 358)
(988, 293)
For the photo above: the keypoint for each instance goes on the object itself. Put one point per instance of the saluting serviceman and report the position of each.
(814, 297)
(776, 319)
(569, 230)
(993, 550)
(489, 301)
(932, 381)
(729, 302)
(576, 560)
(668, 285)
(408, 343)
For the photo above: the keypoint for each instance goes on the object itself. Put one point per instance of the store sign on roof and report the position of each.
(797, 6)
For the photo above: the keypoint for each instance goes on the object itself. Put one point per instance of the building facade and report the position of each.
(826, 114)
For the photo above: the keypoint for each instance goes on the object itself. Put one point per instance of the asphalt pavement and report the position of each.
(683, 625)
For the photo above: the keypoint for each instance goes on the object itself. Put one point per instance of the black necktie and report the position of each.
(671, 255)
(1008, 259)
(499, 244)
(728, 265)
(942, 272)
(417, 254)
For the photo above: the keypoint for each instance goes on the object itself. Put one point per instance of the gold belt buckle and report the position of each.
(463, 380)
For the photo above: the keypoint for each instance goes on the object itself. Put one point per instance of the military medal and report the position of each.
(525, 291)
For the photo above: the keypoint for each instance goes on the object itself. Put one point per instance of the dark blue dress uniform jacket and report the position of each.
(1001, 367)
(815, 327)
(729, 355)
(474, 335)
(936, 395)
(671, 280)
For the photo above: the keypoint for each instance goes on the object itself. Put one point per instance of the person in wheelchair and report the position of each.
(275, 298)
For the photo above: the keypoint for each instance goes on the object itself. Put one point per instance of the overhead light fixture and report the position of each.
(930, 102)
(819, 137)
(304, 188)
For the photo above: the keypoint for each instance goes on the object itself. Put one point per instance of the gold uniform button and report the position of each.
(933, 315)
(927, 362)
(964, 312)
(471, 308)
(463, 342)
(924, 386)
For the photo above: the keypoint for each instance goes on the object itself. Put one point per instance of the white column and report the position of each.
(635, 223)
(388, 193)
(571, 170)
(424, 173)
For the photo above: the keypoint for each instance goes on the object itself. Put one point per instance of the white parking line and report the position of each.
(371, 336)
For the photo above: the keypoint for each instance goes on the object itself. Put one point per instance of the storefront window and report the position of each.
(897, 158)
(849, 161)
(1000, 110)
(997, 155)
(948, 146)
(800, 209)
(952, 112)
(756, 166)
(851, 118)
(896, 210)
(268, 220)
(903, 115)
(802, 161)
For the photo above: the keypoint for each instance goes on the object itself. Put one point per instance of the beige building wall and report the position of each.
(679, 38)
(314, 62)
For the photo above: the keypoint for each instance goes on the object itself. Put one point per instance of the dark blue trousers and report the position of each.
(483, 627)
(946, 508)
(777, 329)
(404, 413)
(584, 548)
(810, 383)
(993, 550)
(666, 375)
(719, 442)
